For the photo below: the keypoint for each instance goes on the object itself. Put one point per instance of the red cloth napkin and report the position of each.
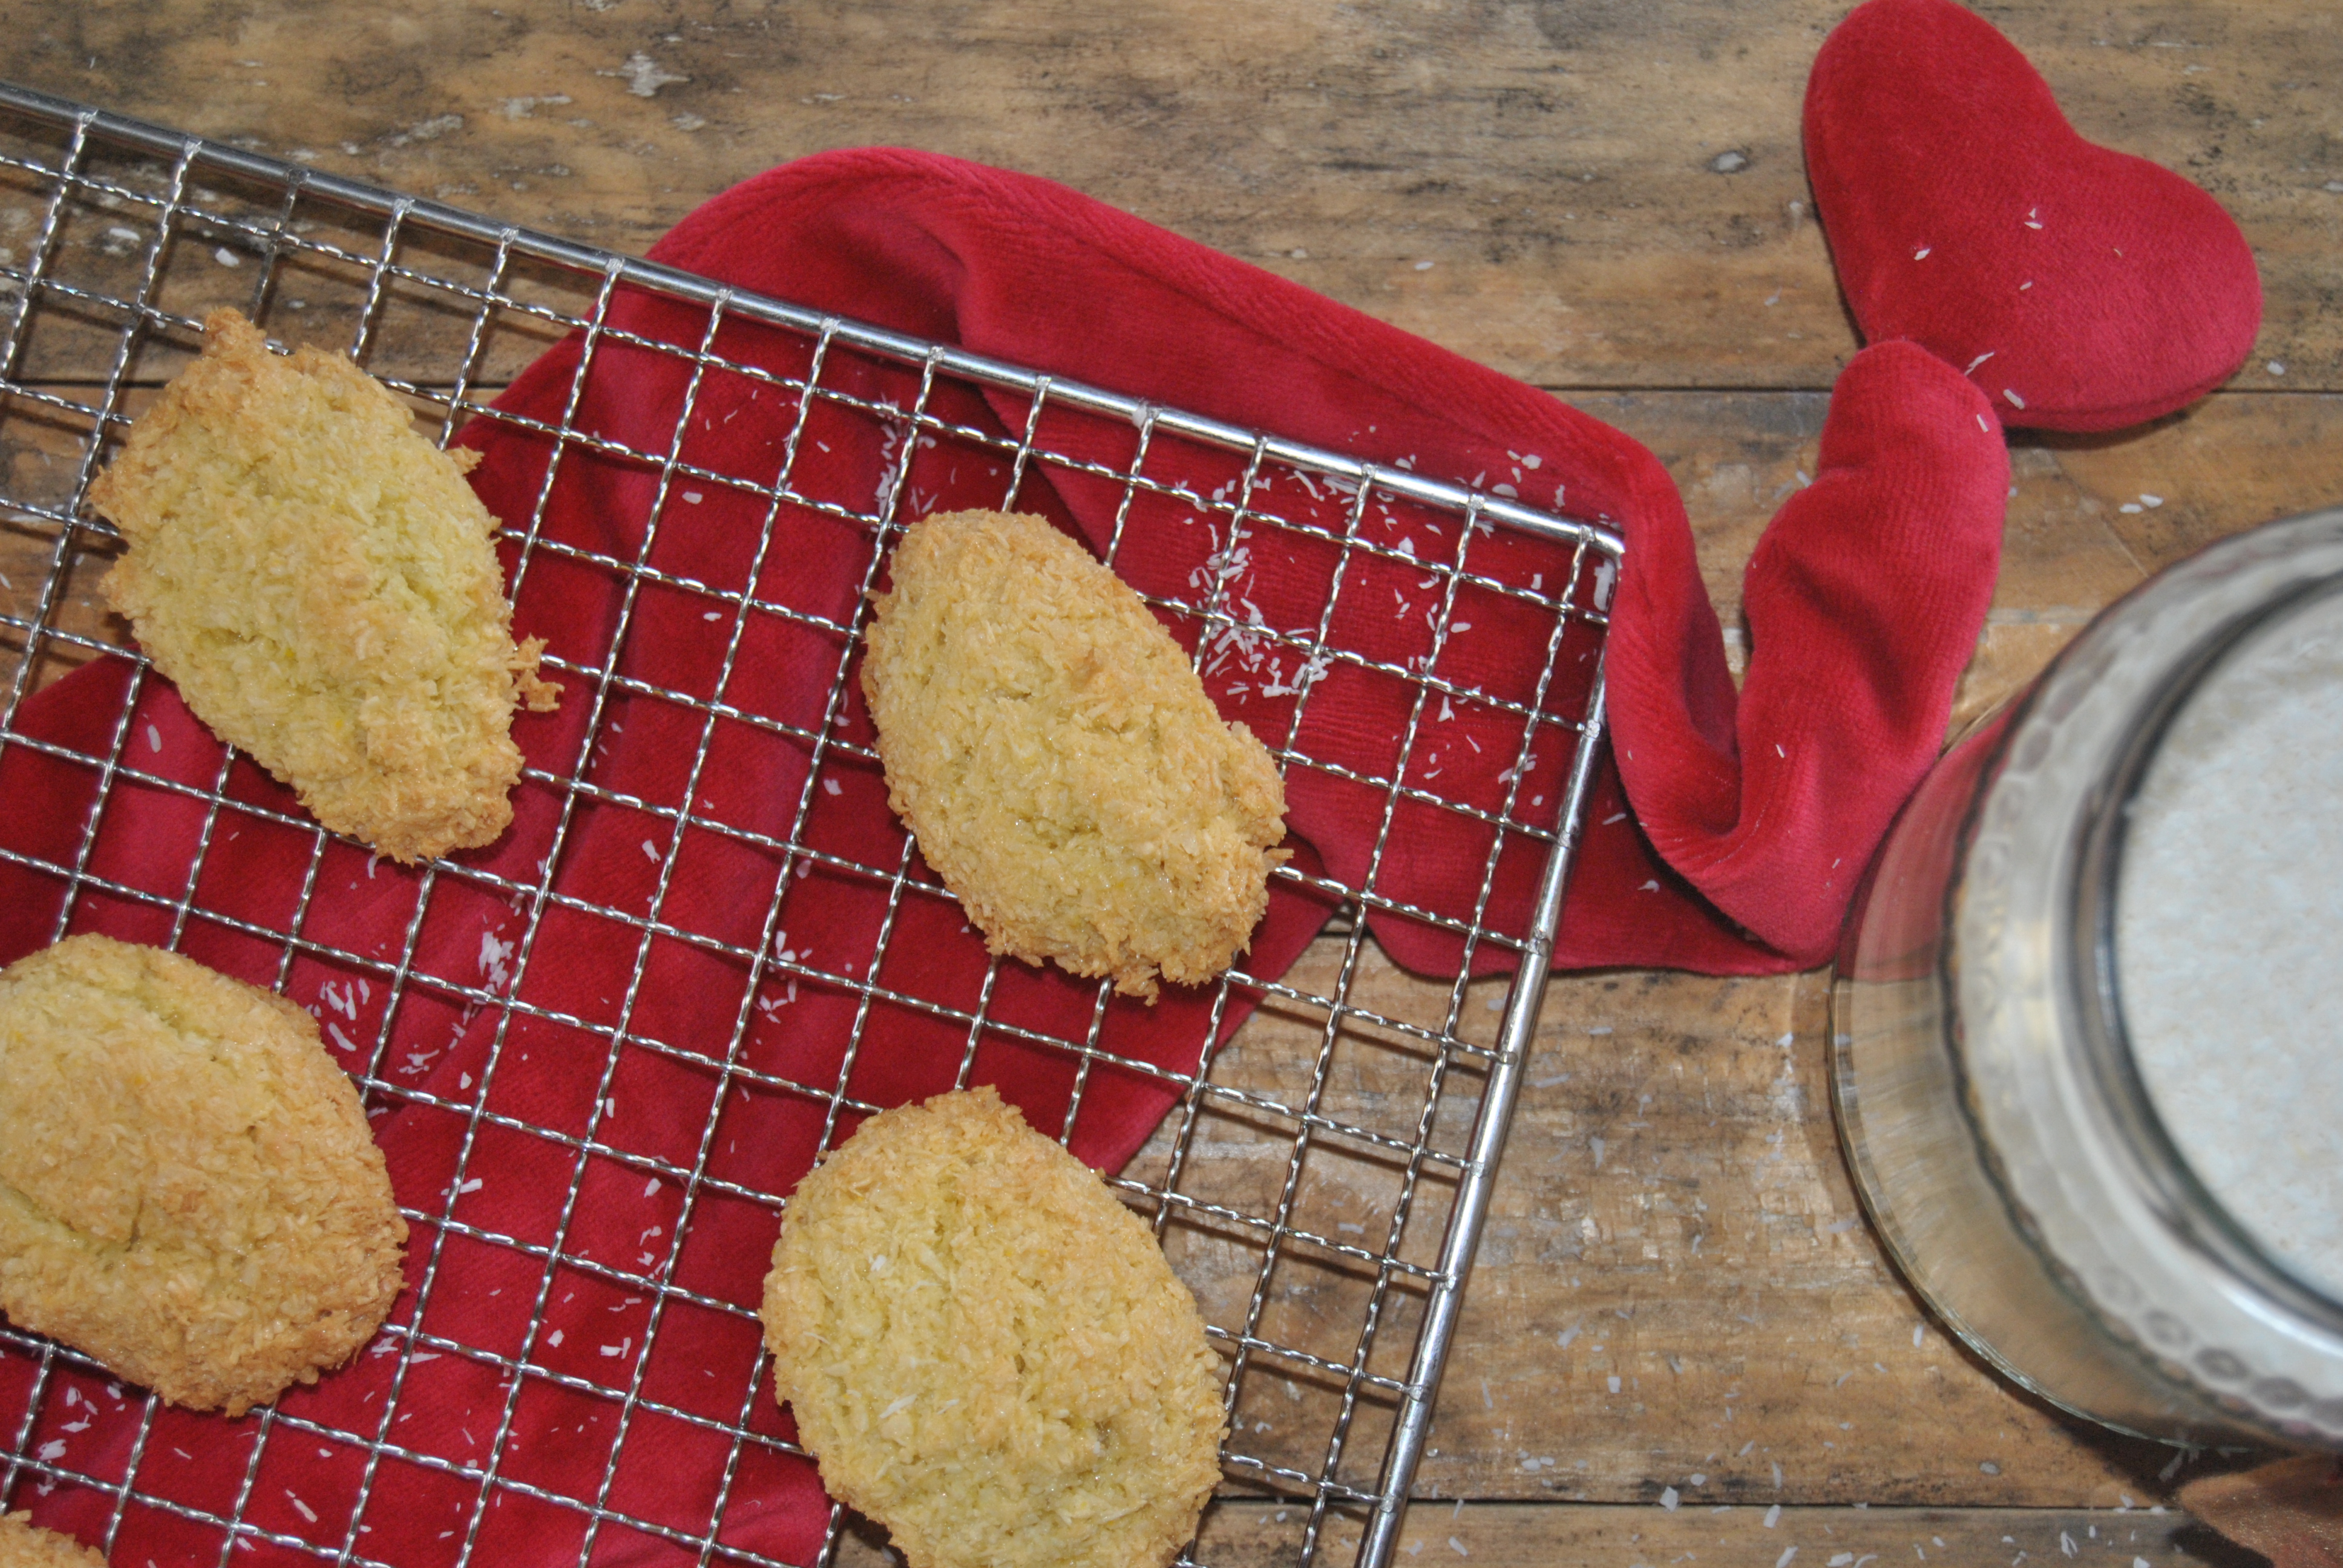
(538, 1138)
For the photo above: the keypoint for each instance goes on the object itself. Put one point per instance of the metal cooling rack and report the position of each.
(116, 236)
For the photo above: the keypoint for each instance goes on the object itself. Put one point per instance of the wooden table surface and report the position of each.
(1682, 1342)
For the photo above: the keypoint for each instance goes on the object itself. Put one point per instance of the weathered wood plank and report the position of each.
(1605, 194)
(1500, 1535)
(1250, 1533)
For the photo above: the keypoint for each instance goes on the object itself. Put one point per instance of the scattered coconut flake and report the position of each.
(1669, 1499)
(493, 956)
(1979, 360)
(1922, 253)
(2014, 400)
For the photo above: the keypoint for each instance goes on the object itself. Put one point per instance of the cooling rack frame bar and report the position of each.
(1472, 1172)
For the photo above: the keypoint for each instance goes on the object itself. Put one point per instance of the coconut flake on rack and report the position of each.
(494, 959)
(1312, 668)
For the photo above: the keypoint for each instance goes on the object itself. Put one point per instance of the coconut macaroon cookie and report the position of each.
(188, 1188)
(1056, 758)
(986, 1353)
(24, 1544)
(322, 585)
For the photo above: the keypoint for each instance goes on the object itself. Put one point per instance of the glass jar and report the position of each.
(2067, 1202)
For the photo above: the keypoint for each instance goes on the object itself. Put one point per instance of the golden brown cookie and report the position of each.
(1056, 758)
(24, 1544)
(322, 585)
(188, 1188)
(986, 1353)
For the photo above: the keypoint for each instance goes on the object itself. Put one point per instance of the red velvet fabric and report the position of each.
(1760, 808)
(1863, 600)
(2082, 288)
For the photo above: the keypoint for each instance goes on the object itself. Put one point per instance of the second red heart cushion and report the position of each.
(2081, 288)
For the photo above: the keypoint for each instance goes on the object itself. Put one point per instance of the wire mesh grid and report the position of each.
(1317, 1176)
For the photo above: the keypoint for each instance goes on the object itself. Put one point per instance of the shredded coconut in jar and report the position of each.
(2229, 935)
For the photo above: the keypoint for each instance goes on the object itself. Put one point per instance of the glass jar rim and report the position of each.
(2089, 1174)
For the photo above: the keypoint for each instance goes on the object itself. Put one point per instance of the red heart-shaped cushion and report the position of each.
(2082, 288)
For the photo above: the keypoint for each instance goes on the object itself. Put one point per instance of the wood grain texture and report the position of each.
(1247, 1532)
(1608, 194)
(1698, 1528)
(1606, 198)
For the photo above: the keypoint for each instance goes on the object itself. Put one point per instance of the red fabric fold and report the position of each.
(1863, 600)
(621, 1124)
